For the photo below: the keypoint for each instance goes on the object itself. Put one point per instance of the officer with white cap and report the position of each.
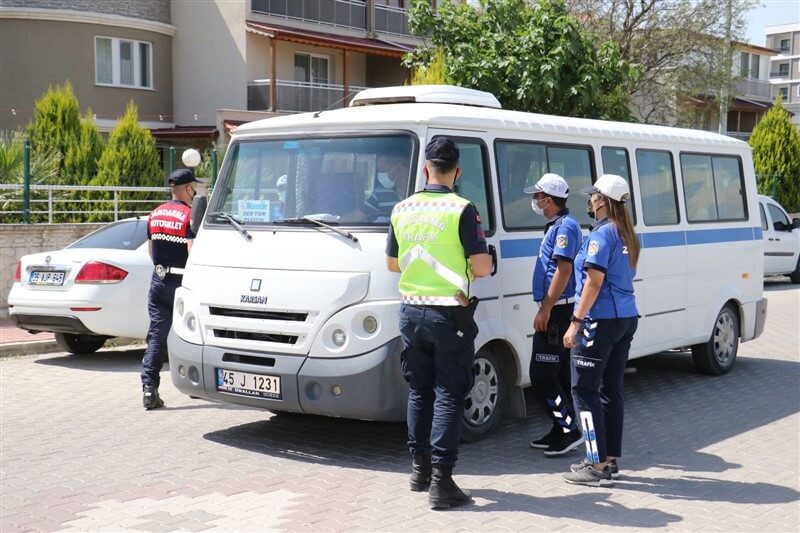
(554, 291)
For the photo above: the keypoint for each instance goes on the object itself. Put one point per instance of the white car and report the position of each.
(781, 240)
(93, 289)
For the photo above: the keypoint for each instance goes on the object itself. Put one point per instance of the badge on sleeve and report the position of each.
(561, 241)
(594, 247)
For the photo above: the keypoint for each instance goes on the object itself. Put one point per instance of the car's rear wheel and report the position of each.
(795, 276)
(79, 344)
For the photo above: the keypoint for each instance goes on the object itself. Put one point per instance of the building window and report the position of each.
(754, 65)
(783, 69)
(311, 69)
(123, 63)
(784, 93)
(784, 47)
(798, 91)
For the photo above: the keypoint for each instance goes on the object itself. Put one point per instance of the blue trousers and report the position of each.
(159, 305)
(438, 366)
(598, 364)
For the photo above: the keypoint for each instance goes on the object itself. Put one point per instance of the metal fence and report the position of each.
(74, 203)
(298, 96)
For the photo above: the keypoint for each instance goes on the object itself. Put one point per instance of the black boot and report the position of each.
(150, 398)
(444, 493)
(420, 473)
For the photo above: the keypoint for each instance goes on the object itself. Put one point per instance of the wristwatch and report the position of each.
(575, 319)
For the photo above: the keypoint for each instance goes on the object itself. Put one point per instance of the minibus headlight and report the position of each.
(370, 324)
(191, 322)
(339, 337)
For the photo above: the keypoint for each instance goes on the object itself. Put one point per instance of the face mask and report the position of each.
(535, 206)
(385, 181)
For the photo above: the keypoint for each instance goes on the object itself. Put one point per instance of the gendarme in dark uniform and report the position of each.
(170, 234)
(436, 242)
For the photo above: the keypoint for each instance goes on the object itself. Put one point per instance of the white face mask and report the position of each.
(535, 206)
(385, 181)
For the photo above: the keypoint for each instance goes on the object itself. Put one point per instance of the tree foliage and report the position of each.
(776, 157)
(434, 73)
(678, 44)
(82, 157)
(532, 55)
(130, 158)
(56, 123)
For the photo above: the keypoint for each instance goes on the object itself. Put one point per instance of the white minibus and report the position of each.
(286, 302)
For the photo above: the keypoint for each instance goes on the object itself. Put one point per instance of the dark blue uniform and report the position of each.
(599, 358)
(168, 227)
(437, 361)
(550, 367)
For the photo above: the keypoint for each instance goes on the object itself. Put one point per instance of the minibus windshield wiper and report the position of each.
(309, 220)
(233, 221)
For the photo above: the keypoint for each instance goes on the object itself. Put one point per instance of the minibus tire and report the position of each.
(77, 344)
(718, 355)
(491, 382)
(795, 276)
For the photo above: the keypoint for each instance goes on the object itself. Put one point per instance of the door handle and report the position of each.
(770, 239)
(493, 253)
(777, 238)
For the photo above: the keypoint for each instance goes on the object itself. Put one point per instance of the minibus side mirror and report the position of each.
(795, 223)
(199, 205)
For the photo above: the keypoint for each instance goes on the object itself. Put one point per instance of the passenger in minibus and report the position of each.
(436, 242)
(390, 186)
(601, 330)
(554, 291)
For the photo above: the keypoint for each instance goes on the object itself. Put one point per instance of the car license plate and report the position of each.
(46, 278)
(246, 384)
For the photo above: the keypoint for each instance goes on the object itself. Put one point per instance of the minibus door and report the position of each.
(475, 185)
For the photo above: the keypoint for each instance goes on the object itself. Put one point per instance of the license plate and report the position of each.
(46, 278)
(246, 384)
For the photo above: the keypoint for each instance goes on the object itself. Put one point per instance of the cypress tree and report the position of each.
(776, 157)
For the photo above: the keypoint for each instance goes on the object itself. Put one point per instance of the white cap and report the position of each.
(612, 186)
(550, 184)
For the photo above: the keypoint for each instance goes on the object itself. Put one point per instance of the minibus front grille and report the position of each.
(252, 336)
(263, 315)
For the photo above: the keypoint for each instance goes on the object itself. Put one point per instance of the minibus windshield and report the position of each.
(341, 180)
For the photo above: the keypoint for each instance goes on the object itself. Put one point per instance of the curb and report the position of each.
(17, 349)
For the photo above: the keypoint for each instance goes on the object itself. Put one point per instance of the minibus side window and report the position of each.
(472, 183)
(657, 185)
(521, 164)
(764, 224)
(712, 188)
(615, 161)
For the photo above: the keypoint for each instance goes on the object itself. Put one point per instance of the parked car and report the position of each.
(93, 289)
(781, 240)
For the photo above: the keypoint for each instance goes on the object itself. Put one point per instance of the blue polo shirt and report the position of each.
(562, 240)
(605, 250)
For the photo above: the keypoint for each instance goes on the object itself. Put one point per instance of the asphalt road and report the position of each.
(78, 452)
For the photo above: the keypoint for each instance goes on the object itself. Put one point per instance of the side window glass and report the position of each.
(615, 161)
(729, 187)
(657, 185)
(779, 218)
(472, 183)
(764, 225)
(575, 166)
(698, 188)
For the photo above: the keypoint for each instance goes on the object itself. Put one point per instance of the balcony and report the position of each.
(779, 74)
(741, 135)
(297, 96)
(350, 14)
(754, 88)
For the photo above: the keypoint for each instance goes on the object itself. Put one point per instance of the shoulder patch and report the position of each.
(562, 241)
(594, 247)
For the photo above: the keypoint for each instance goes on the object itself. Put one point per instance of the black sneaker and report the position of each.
(590, 476)
(150, 398)
(544, 442)
(612, 466)
(564, 443)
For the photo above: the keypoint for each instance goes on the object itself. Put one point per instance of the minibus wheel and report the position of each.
(77, 344)
(717, 355)
(484, 404)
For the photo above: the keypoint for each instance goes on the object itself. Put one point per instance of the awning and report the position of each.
(736, 104)
(231, 125)
(342, 42)
(186, 132)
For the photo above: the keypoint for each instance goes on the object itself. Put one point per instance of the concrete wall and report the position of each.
(155, 10)
(17, 240)
(209, 59)
(39, 53)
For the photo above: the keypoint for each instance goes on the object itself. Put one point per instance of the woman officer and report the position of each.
(601, 329)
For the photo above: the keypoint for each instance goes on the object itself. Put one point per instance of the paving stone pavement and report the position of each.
(78, 453)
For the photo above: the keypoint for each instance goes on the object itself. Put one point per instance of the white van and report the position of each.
(781, 240)
(286, 302)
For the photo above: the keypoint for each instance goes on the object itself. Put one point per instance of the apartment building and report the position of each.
(112, 52)
(752, 96)
(784, 72)
(240, 60)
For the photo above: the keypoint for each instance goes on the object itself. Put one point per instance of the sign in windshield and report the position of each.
(348, 180)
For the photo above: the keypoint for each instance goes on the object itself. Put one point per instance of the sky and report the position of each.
(770, 13)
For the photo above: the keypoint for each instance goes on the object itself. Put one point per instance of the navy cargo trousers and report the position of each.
(437, 364)
(598, 364)
(159, 306)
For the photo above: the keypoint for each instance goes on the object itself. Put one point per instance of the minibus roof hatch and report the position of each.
(430, 94)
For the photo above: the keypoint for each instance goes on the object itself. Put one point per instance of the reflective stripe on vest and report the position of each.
(430, 253)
